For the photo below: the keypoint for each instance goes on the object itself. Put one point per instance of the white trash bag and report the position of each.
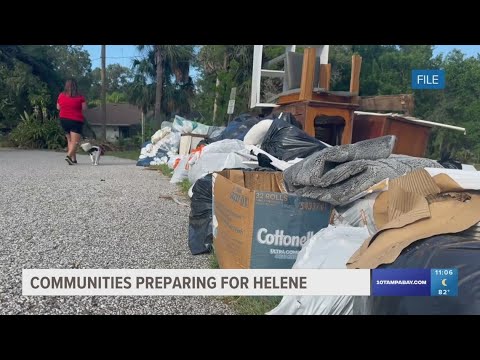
(357, 214)
(330, 248)
(160, 134)
(257, 133)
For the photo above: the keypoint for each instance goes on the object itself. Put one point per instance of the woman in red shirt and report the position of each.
(71, 105)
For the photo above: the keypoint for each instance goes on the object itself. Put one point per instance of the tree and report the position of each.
(118, 78)
(72, 61)
(28, 80)
(222, 67)
(170, 61)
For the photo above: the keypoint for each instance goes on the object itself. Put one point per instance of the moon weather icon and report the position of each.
(444, 282)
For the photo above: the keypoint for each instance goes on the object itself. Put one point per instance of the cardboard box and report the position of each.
(189, 142)
(257, 224)
(416, 206)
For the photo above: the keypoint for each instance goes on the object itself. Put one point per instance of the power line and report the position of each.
(119, 57)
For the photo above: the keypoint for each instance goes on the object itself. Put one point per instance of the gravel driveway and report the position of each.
(115, 219)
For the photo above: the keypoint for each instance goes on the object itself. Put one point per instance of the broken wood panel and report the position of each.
(400, 103)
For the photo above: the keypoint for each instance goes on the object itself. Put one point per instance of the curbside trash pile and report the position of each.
(267, 195)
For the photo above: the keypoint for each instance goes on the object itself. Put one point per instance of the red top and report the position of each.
(71, 107)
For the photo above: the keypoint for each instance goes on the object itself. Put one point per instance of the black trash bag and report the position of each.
(236, 129)
(288, 118)
(265, 162)
(438, 252)
(451, 164)
(448, 162)
(200, 231)
(287, 142)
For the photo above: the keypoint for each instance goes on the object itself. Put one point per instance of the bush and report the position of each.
(38, 134)
(127, 144)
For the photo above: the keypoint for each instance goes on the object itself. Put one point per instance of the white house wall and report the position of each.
(113, 132)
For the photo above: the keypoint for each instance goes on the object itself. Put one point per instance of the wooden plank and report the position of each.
(308, 72)
(355, 76)
(325, 74)
(400, 103)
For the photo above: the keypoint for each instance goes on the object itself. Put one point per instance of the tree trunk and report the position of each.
(104, 96)
(159, 86)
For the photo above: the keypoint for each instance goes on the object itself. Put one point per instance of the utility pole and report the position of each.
(231, 104)
(143, 127)
(104, 95)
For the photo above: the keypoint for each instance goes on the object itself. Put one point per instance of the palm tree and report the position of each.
(169, 61)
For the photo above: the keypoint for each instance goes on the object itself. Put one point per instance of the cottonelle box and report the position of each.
(257, 224)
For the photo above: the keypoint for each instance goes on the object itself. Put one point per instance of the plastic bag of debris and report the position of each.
(357, 214)
(287, 142)
(236, 129)
(184, 126)
(200, 231)
(330, 248)
(456, 251)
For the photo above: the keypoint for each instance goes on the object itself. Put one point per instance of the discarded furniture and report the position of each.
(412, 133)
(326, 115)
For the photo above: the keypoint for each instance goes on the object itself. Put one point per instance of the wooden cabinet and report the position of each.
(321, 106)
(412, 137)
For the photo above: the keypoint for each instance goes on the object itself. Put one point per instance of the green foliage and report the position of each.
(118, 79)
(132, 143)
(221, 68)
(117, 97)
(32, 76)
(72, 61)
(36, 134)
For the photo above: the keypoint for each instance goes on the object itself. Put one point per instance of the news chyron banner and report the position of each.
(248, 282)
(190, 282)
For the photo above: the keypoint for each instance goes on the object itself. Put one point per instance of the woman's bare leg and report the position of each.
(74, 140)
(69, 139)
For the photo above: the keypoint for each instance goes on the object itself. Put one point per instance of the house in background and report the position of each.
(123, 121)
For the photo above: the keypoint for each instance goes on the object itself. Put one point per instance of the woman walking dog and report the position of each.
(71, 106)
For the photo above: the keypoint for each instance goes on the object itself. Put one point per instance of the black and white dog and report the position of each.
(94, 151)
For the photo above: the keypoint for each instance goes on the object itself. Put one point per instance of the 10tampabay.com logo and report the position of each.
(428, 79)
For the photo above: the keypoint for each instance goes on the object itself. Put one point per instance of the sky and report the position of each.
(124, 54)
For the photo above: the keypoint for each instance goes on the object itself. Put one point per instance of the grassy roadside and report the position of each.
(131, 155)
(247, 305)
(184, 186)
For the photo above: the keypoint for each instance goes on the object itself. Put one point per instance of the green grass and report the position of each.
(165, 170)
(132, 154)
(213, 261)
(6, 142)
(253, 305)
(185, 185)
(247, 305)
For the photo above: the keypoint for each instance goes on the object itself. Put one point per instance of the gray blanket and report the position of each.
(338, 174)
(310, 171)
(341, 184)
